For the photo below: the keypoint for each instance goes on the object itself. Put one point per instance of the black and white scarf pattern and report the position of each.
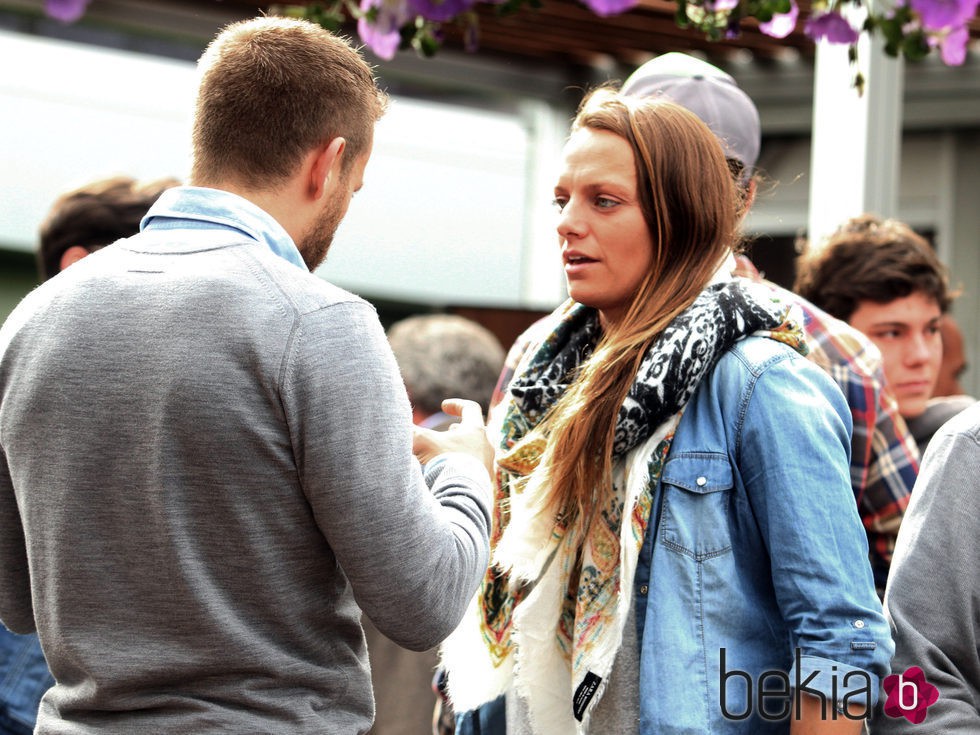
(671, 370)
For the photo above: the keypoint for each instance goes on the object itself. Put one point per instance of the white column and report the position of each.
(856, 140)
(542, 279)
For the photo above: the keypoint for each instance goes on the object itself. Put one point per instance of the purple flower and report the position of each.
(606, 8)
(440, 10)
(939, 14)
(382, 43)
(382, 34)
(952, 46)
(830, 27)
(67, 11)
(716, 6)
(781, 24)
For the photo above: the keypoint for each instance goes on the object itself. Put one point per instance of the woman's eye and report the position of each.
(559, 203)
(605, 202)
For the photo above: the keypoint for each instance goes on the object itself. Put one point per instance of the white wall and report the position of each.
(70, 114)
(443, 217)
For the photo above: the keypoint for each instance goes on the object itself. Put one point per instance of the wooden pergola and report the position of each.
(566, 32)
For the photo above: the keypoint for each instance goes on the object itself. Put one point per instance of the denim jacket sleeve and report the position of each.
(792, 455)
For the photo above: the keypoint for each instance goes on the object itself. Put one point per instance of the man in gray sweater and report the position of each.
(206, 452)
(933, 596)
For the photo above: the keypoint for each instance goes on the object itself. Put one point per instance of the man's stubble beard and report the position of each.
(316, 242)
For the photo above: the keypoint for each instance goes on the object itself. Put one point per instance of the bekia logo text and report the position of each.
(775, 694)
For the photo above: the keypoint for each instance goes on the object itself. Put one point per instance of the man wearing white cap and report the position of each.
(884, 457)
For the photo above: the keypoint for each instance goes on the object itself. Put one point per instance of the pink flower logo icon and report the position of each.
(909, 695)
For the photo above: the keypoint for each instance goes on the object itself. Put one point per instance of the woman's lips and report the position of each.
(576, 263)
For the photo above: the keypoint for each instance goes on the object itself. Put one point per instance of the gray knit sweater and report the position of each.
(208, 451)
(933, 596)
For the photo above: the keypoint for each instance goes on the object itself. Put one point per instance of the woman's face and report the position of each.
(606, 246)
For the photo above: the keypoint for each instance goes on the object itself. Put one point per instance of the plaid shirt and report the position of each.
(884, 456)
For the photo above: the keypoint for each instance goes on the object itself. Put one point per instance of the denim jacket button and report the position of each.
(858, 623)
(643, 589)
(702, 481)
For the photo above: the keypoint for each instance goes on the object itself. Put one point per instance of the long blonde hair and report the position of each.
(690, 205)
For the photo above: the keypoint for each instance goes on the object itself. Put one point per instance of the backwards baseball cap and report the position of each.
(709, 93)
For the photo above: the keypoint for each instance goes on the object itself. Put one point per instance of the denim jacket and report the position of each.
(754, 572)
(24, 678)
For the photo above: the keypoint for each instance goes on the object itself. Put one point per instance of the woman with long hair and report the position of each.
(676, 543)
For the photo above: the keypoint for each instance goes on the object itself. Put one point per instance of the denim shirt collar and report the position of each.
(199, 208)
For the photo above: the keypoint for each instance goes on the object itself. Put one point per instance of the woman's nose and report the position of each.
(570, 224)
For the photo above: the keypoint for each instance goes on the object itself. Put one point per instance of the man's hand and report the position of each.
(468, 436)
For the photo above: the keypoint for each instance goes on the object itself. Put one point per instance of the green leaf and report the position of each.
(903, 15)
(509, 7)
(426, 44)
(893, 30)
(915, 47)
(680, 17)
(859, 83)
(407, 34)
(294, 11)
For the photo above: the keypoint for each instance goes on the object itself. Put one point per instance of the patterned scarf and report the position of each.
(553, 601)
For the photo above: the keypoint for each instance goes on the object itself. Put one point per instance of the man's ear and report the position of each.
(72, 255)
(326, 165)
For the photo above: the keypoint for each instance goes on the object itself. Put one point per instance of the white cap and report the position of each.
(709, 93)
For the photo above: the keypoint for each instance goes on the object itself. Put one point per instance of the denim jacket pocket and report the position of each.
(696, 495)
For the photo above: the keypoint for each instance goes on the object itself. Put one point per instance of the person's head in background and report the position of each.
(94, 215)
(954, 360)
(445, 356)
(716, 99)
(884, 280)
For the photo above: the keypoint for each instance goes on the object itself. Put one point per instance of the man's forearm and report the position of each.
(817, 718)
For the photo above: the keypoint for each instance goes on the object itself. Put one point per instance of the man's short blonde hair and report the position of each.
(272, 89)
